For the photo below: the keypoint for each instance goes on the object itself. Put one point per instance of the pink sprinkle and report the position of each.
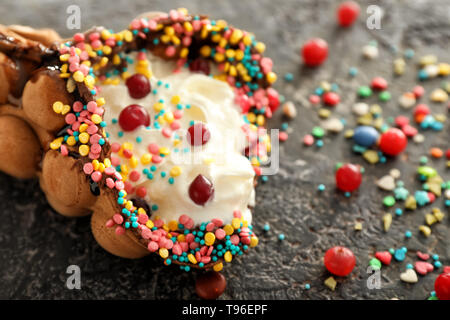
(193, 245)
(77, 106)
(143, 218)
(152, 246)
(234, 239)
(96, 44)
(120, 230)
(184, 246)
(283, 136)
(78, 37)
(84, 69)
(166, 132)
(158, 223)
(95, 138)
(135, 24)
(175, 125)
(156, 159)
(110, 171)
(74, 66)
(84, 55)
(266, 65)
(206, 259)
(110, 223)
(134, 176)
(118, 219)
(178, 114)
(308, 140)
(198, 256)
(217, 222)
(91, 106)
(155, 237)
(177, 249)
(245, 240)
(210, 250)
(119, 185)
(146, 233)
(189, 224)
(237, 214)
(220, 234)
(96, 176)
(314, 99)
(94, 156)
(64, 150)
(96, 148)
(92, 129)
(117, 175)
(187, 41)
(110, 183)
(203, 250)
(88, 168)
(189, 237)
(183, 219)
(115, 147)
(76, 126)
(153, 148)
(170, 51)
(115, 161)
(210, 227)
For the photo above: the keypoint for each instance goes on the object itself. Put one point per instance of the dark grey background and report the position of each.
(37, 245)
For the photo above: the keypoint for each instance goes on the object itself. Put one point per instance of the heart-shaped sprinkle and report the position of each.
(386, 183)
(409, 276)
(384, 256)
(399, 255)
(423, 256)
(423, 267)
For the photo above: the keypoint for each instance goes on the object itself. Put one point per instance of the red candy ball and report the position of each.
(379, 83)
(274, 99)
(138, 86)
(315, 52)
(442, 286)
(340, 261)
(133, 117)
(347, 13)
(348, 177)
(201, 190)
(331, 98)
(198, 134)
(393, 142)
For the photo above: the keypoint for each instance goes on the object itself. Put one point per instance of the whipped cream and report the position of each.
(220, 160)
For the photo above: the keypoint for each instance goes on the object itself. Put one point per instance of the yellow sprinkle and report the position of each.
(164, 150)
(58, 106)
(101, 167)
(184, 52)
(84, 150)
(84, 137)
(129, 205)
(254, 241)
(78, 76)
(158, 106)
(236, 223)
(228, 229)
(96, 118)
(271, 77)
(236, 36)
(260, 120)
(192, 258)
(208, 160)
(181, 238)
(104, 61)
(260, 47)
(56, 143)
(210, 238)
(228, 256)
(100, 101)
(218, 267)
(216, 38)
(173, 225)
(66, 108)
(188, 26)
(83, 127)
(128, 36)
(219, 57)
(116, 59)
(141, 211)
(163, 252)
(168, 116)
(133, 162)
(425, 230)
(71, 141)
(149, 224)
(64, 75)
(124, 169)
(175, 171)
(251, 117)
(95, 163)
(175, 100)
(205, 51)
(146, 158)
(107, 163)
(247, 40)
(64, 68)
(64, 57)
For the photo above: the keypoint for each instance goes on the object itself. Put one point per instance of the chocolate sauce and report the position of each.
(95, 189)
(141, 203)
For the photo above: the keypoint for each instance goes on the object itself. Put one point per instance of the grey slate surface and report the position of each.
(37, 245)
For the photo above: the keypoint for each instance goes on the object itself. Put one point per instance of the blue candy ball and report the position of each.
(365, 136)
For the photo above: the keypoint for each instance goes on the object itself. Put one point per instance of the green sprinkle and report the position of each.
(389, 201)
(364, 91)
